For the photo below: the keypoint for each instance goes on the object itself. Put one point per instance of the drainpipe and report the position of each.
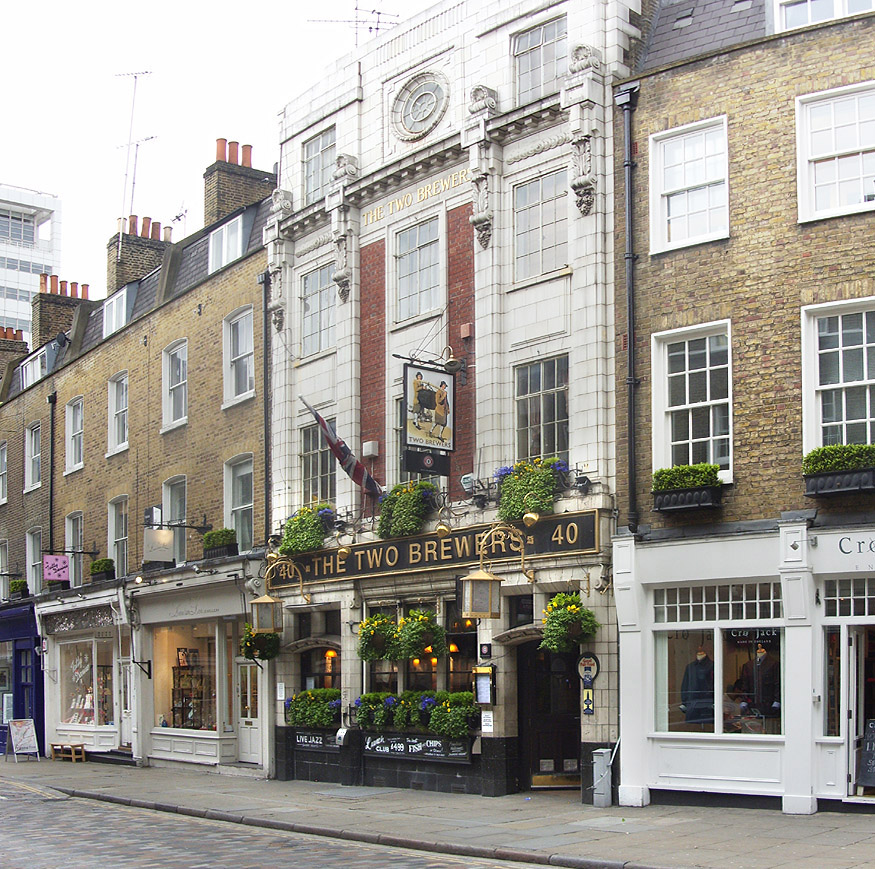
(627, 98)
(52, 400)
(264, 280)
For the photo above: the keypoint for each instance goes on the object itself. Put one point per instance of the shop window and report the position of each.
(462, 648)
(320, 668)
(542, 408)
(540, 222)
(832, 706)
(318, 465)
(383, 675)
(239, 355)
(87, 683)
(708, 603)
(318, 165)
(117, 435)
(541, 56)
(73, 538)
(317, 311)
(184, 662)
(175, 360)
(849, 597)
(685, 681)
(752, 674)
(6, 682)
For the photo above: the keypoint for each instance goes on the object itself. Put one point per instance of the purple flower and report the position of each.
(502, 472)
(561, 466)
(326, 511)
(389, 702)
(289, 702)
(334, 704)
(358, 702)
(426, 703)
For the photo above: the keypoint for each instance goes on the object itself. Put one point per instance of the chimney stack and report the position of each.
(53, 309)
(229, 186)
(138, 254)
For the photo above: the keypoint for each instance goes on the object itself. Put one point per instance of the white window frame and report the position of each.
(806, 160)
(74, 434)
(33, 539)
(115, 312)
(34, 368)
(317, 167)
(811, 405)
(117, 416)
(118, 537)
(543, 396)
(318, 305)
(73, 543)
(32, 457)
(4, 570)
(234, 511)
(840, 9)
(170, 512)
(235, 358)
(718, 177)
(530, 223)
(318, 466)
(4, 472)
(660, 410)
(430, 301)
(226, 244)
(171, 388)
(556, 64)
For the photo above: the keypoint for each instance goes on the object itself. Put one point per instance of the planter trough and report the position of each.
(833, 483)
(696, 498)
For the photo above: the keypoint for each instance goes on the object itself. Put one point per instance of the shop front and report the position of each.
(753, 657)
(199, 699)
(21, 679)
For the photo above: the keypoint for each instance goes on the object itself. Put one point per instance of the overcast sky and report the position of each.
(218, 70)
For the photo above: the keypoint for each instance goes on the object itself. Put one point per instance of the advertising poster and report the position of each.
(429, 401)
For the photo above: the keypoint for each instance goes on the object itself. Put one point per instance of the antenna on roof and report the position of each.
(370, 20)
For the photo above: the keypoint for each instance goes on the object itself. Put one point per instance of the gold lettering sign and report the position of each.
(424, 192)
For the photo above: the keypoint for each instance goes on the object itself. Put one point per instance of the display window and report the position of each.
(184, 676)
(87, 683)
(745, 665)
(320, 668)
(5, 682)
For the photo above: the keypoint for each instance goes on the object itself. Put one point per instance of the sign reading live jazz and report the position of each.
(553, 535)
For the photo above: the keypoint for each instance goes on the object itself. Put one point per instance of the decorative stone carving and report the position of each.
(279, 318)
(281, 203)
(483, 99)
(317, 242)
(481, 219)
(584, 57)
(540, 147)
(583, 180)
(346, 169)
(343, 273)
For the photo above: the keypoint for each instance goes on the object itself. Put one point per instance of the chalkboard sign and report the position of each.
(416, 747)
(316, 740)
(866, 760)
(22, 738)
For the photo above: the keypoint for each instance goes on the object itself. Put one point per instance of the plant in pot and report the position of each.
(839, 469)
(264, 647)
(420, 635)
(687, 487)
(57, 584)
(454, 714)
(18, 588)
(219, 543)
(378, 638)
(403, 510)
(102, 568)
(567, 623)
(529, 485)
(305, 531)
(316, 707)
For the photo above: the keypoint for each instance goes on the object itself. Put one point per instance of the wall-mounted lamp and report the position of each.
(200, 571)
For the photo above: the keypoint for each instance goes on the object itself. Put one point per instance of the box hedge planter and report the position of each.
(18, 589)
(839, 469)
(221, 543)
(687, 487)
(102, 569)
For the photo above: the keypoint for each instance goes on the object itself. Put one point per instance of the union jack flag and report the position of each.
(355, 470)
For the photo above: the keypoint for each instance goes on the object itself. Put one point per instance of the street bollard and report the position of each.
(601, 778)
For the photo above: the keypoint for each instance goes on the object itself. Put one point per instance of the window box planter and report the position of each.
(691, 498)
(57, 584)
(221, 543)
(221, 551)
(103, 575)
(830, 484)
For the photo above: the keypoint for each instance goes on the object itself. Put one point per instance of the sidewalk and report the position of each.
(548, 827)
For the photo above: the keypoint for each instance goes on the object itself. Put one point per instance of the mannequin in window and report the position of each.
(760, 684)
(697, 689)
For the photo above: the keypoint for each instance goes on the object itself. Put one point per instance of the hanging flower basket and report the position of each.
(567, 623)
(420, 635)
(529, 485)
(378, 638)
(403, 510)
(264, 647)
(306, 530)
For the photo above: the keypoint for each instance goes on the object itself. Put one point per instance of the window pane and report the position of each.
(685, 682)
(752, 670)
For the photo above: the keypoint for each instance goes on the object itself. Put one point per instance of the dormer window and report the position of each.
(115, 312)
(226, 244)
(34, 368)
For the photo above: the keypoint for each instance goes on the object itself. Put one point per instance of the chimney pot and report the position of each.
(43, 283)
(8, 332)
(18, 334)
(54, 284)
(232, 152)
(221, 149)
(63, 288)
(132, 224)
(247, 156)
(74, 289)
(147, 223)
(168, 230)
(84, 291)
(156, 231)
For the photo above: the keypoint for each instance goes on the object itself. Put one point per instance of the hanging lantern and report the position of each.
(267, 615)
(481, 595)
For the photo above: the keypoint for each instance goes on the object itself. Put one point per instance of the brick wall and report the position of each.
(137, 257)
(52, 314)
(372, 259)
(228, 187)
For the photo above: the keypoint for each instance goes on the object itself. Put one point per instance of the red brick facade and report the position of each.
(373, 352)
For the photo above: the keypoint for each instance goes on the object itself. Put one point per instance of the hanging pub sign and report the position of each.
(429, 408)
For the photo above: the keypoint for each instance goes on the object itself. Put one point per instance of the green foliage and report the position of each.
(261, 646)
(441, 713)
(839, 457)
(305, 531)
(17, 585)
(102, 565)
(219, 537)
(378, 638)
(418, 631)
(454, 715)
(567, 622)
(318, 707)
(686, 477)
(373, 712)
(404, 509)
(529, 487)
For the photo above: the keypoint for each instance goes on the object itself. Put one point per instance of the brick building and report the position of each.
(446, 201)
(136, 425)
(746, 622)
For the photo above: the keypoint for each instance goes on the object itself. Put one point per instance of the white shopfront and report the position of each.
(199, 700)
(754, 656)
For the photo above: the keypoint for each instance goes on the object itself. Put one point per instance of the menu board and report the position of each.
(415, 747)
(22, 737)
(866, 759)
